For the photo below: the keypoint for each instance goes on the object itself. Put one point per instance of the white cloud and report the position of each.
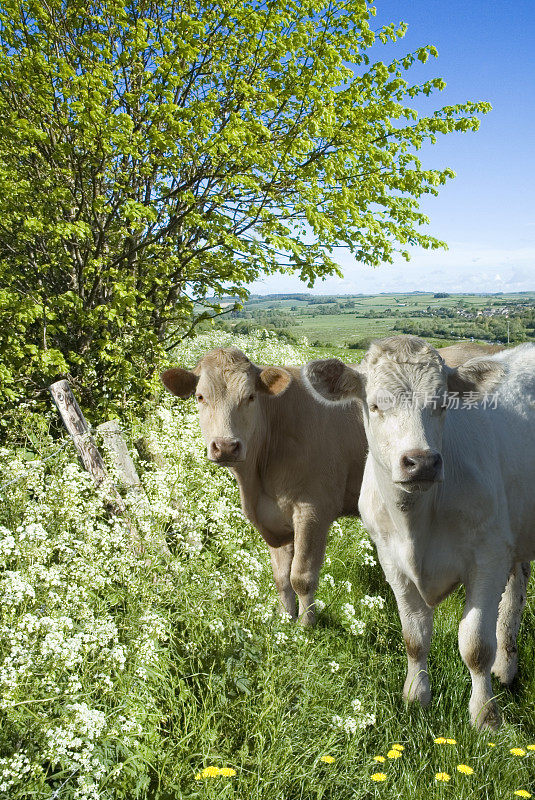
(465, 267)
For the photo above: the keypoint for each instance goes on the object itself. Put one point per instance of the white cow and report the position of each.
(448, 495)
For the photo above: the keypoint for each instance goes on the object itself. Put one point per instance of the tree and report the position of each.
(154, 155)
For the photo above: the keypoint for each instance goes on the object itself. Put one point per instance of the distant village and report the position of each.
(500, 311)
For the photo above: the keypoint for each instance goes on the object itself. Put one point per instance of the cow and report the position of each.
(447, 495)
(296, 466)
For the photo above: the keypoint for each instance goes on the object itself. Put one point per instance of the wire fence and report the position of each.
(87, 436)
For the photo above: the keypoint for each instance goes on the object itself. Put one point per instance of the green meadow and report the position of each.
(344, 328)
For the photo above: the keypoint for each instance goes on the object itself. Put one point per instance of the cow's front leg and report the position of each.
(477, 639)
(310, 532)
(509, 617)
(281, 563)
(417, 627)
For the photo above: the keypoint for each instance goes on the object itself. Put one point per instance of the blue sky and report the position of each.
(487, 213)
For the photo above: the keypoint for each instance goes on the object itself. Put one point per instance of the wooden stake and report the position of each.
(125, 468)
(77, 426)
(115, 444)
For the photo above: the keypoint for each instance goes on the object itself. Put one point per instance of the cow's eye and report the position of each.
(374, 407)
(200, 398)
(251, 398)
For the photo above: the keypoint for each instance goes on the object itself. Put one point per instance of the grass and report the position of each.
(275, 737)
(346, 329)
(342, 329)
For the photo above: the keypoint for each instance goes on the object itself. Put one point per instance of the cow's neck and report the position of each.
(410, 527)
(249, 484)
(248, 473)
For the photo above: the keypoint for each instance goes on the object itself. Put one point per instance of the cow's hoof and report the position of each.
(417, 689)
(287, 612)
(488, 717)
(505, 668)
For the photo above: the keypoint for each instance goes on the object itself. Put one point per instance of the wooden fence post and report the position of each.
(77, 426)
(113, 439)
(114, 442)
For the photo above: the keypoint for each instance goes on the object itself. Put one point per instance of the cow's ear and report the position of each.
(179, 381)
(273, 380)
(479, 375)
(333, 380)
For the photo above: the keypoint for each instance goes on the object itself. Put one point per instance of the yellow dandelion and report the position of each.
(440, 740)
(491, 744)
(198, 776)
(210, 772)
(228, 772)
(451, 741)
(522, 793)
(442, 776)
(530, 747)
(378, 776)
(517, 751)
(398, 747)
(394, 754)
(327, 759)
(465, 769)
(380, 759)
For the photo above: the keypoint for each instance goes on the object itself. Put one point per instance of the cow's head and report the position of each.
(404, 385)
(228, 388)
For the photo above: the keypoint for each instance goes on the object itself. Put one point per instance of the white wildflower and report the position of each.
(373, 602)
(216, 625)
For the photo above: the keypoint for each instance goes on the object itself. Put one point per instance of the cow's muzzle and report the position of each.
(225, 451)
(420, 469)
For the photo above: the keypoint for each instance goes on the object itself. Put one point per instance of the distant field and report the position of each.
(406, 302)
(284, 304)
(342, 329)
(417, 302)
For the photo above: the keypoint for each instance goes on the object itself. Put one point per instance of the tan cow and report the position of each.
(298, 461)
(447, 495)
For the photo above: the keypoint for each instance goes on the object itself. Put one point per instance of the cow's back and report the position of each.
(515, 434)
(489, 452)
(456, 354)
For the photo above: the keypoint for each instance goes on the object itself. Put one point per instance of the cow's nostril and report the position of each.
(408, 462)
